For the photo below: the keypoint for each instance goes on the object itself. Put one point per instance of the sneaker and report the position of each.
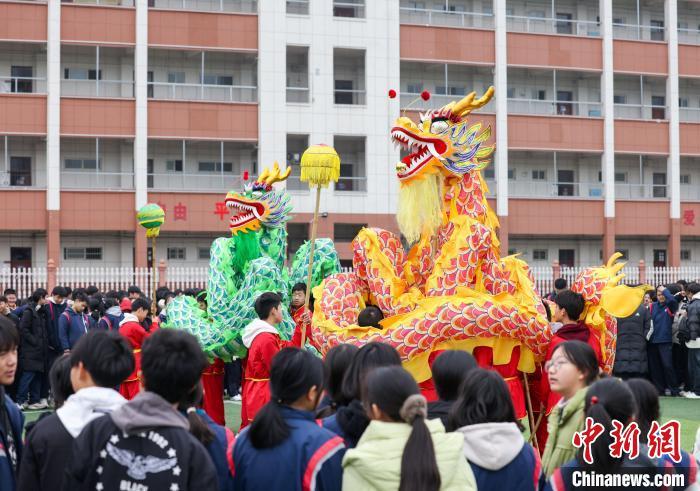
(667, 392)
(36, 406)
(682, 393)
(691, 395)
(236, 398)
(45, 402)
(24, 406)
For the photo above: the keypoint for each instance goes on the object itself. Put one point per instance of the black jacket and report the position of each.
(33, 339)
(145, 442)
(440, 410)
(693, 322)
(47, 451)
(631, 350)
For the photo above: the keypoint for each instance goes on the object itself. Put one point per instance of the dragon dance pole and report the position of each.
(151, 217)
(320, 164)
(530, 414)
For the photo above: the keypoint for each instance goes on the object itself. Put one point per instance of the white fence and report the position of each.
(26, 280)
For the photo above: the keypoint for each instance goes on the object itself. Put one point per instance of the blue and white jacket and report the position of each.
(309, 459)
(8, 478)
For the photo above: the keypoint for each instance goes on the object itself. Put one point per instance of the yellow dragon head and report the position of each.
(443, 141)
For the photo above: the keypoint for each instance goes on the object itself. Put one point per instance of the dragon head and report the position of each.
(259, 204)
(443, 141)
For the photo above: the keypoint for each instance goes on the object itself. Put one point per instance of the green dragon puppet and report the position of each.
(247, 264)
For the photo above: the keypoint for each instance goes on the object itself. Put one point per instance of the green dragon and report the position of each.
(247, 264)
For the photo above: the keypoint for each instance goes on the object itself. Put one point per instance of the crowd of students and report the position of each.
(130, 413)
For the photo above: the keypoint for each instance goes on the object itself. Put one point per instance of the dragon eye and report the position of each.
(438, 126)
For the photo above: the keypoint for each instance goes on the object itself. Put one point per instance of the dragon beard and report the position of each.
(420, 207)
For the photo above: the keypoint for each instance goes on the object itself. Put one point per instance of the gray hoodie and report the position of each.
(145, 411)
(492, 446)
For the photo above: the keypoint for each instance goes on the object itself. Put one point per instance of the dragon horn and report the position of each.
(468, 104)
(265, 174)
(276, 175)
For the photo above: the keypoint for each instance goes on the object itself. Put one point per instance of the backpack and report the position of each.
(107, 321)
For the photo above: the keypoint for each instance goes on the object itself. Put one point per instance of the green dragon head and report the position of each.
(443, 141)
(259, 204)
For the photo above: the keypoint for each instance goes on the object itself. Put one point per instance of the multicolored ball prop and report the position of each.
(151, 217)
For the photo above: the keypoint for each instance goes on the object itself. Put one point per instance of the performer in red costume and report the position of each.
(131, 327)
(263, 343)
(301, 316)
(213, 386)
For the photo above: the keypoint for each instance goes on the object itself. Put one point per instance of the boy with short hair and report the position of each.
(11, 418)
(133, 330)
(146, 443)
(99, 361)
(263, 343)
(74, 322)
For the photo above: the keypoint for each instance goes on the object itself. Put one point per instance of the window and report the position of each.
(298, 7)
(539, 175)
(215, 167)
(82, 253)
(511, 174)
(203, 253)
(620, 99)
(489, 173)
(353, 175)
(414, 88)
(346, 232)
(80, 74)
(349, 76)
(176, 77)
(218, 80)
(539, 254)
(682, 102)
(297, 234)
(349, 8)
(298, 74)
(296, 144)
(620, 176)
(173, 165)
(625, 254)
(442, 90)
(540, 95)
(685, 255)
(510, 93)
(685, 178)
(176, 253)
(80, 164)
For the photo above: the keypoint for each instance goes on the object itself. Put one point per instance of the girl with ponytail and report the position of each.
(284, 448)
(607, 400)
(401, 449)
(216, 439)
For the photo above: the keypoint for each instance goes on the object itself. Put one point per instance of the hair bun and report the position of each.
(414, 405)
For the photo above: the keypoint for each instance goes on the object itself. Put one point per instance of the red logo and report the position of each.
(586, 437)
(624, 440)
(221, 210)
(689, 217)
(180, 211)
(665, 440)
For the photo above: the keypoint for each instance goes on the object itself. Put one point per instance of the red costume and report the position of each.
(263, 344)
(213, 385)
(427, 387)
(135, 334)
(298, 318)
(509, 372)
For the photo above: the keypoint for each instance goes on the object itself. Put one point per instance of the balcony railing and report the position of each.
(97, 88)
(690, 192)
(553, 189)
(639, 32)
(690, 114)
(688, 36)
(629, 191)
(548, 25)
(432, 17)
(88, 179)
(106, 3)
(350, 96)
(438, 100)
(181, 181)
(22, 85)
(239, 6)
(203, 92)
(349, 9)
(298, 94)
(640, 111)
(355, 184)
(555, 108)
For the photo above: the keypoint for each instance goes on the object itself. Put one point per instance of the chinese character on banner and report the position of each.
(625, 440)
(180, 211)
(162, 206)
(221, 210)
(665, 440)
(689, 217)
(587, 437)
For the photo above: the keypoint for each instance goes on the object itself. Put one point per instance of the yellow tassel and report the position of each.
(320, 164)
